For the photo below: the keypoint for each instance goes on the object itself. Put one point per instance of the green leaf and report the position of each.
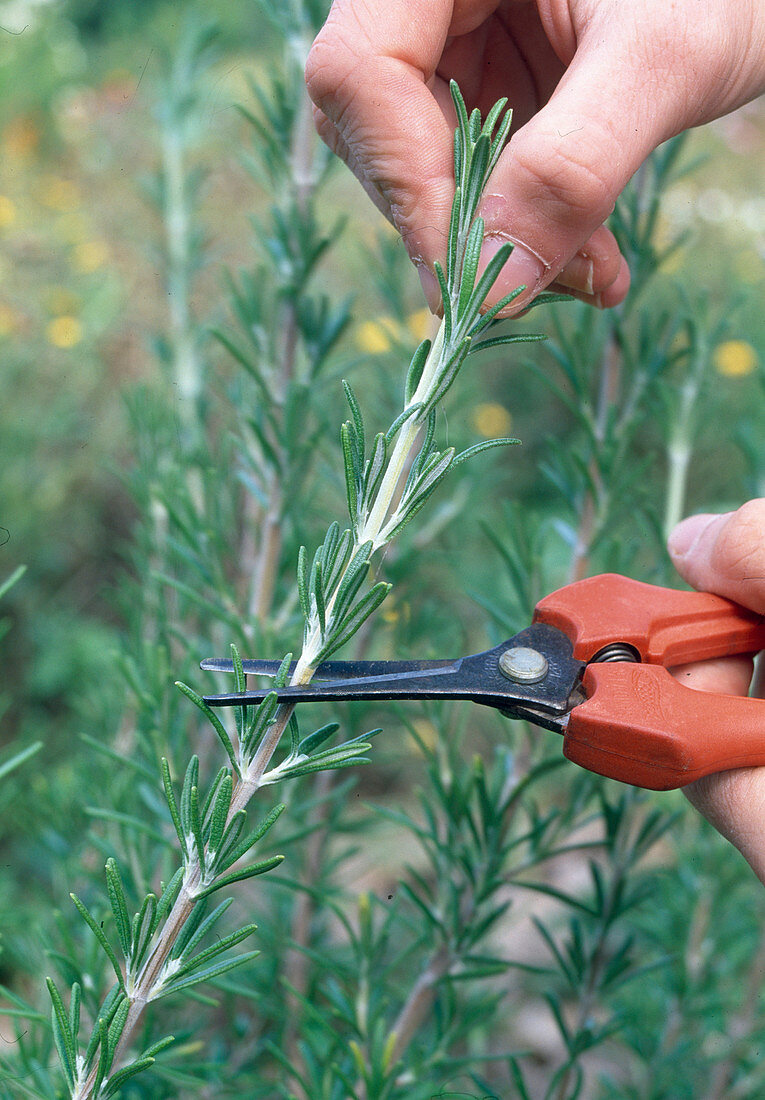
(264, 717)
(195, 821)
(117, 1026)
(435, 470)
(354, 577)
(337, 561)
(117, 901)
(452, 254)
(492, 116)
(114, 1083)
(355, 618)
(109, 1006)
(445, 300)
(204, 957)
(485, 446)
(240, 680)
(317, 591)
(314, 764)
(514, 338)
(62, 1034)
(196, 928)
(401, 419)
(485, 319)
(19, 758)
(375, 468)
(229, 840)
(352, 473)
(156, 1048)
(460, 108)
(546, 299)
(144, 924)
(470, 267)
(448, 374)
(214, 721)
(245, 845)
(168, 895)
(220, 813)
(302, 580)
(172, 804)
(480, 289)
(239, 876)
(74, 1011)
(318, 737)
(9, 582)
(210, 973)
(358, 419)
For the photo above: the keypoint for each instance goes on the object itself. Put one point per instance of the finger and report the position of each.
(734, 802)
(560, 175)
(368, 73)
(330, 135)
(724, 554)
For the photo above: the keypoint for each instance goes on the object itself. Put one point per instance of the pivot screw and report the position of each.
(523, 665)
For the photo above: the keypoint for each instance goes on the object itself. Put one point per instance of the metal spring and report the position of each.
(617, 651)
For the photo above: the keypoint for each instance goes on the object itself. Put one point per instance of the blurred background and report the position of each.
(84, 309)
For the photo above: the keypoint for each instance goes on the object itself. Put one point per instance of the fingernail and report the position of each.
(579, 274)
(686, 535)
(523, 268)
(430, 287)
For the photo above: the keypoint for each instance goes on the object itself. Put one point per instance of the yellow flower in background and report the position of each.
(377, 337)
(491, 420)
(60, 194)
(64, 332)
(734, 358)
(90, 255)
(8, 320)
(7, 211)
(419, 324)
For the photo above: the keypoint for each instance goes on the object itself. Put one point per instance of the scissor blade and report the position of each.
(411, 683)
(329, 670)
(478, 678)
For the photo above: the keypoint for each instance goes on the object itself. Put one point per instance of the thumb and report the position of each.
(724, 554)
(561, 174)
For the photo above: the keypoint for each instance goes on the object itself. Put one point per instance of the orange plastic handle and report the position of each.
(638, 724)
(665, 626)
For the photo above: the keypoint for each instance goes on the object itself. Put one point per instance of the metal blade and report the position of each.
(478, 678)
(329, 670)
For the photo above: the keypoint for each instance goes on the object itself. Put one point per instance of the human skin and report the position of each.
(595, 86)
(726, 554)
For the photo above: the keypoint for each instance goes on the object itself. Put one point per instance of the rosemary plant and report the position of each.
(159, 948)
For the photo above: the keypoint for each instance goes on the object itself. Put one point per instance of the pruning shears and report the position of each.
(593, 666)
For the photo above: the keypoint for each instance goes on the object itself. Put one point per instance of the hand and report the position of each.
(595, 86)
(726, 555)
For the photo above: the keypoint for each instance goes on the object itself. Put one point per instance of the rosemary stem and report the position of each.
(406, 440)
